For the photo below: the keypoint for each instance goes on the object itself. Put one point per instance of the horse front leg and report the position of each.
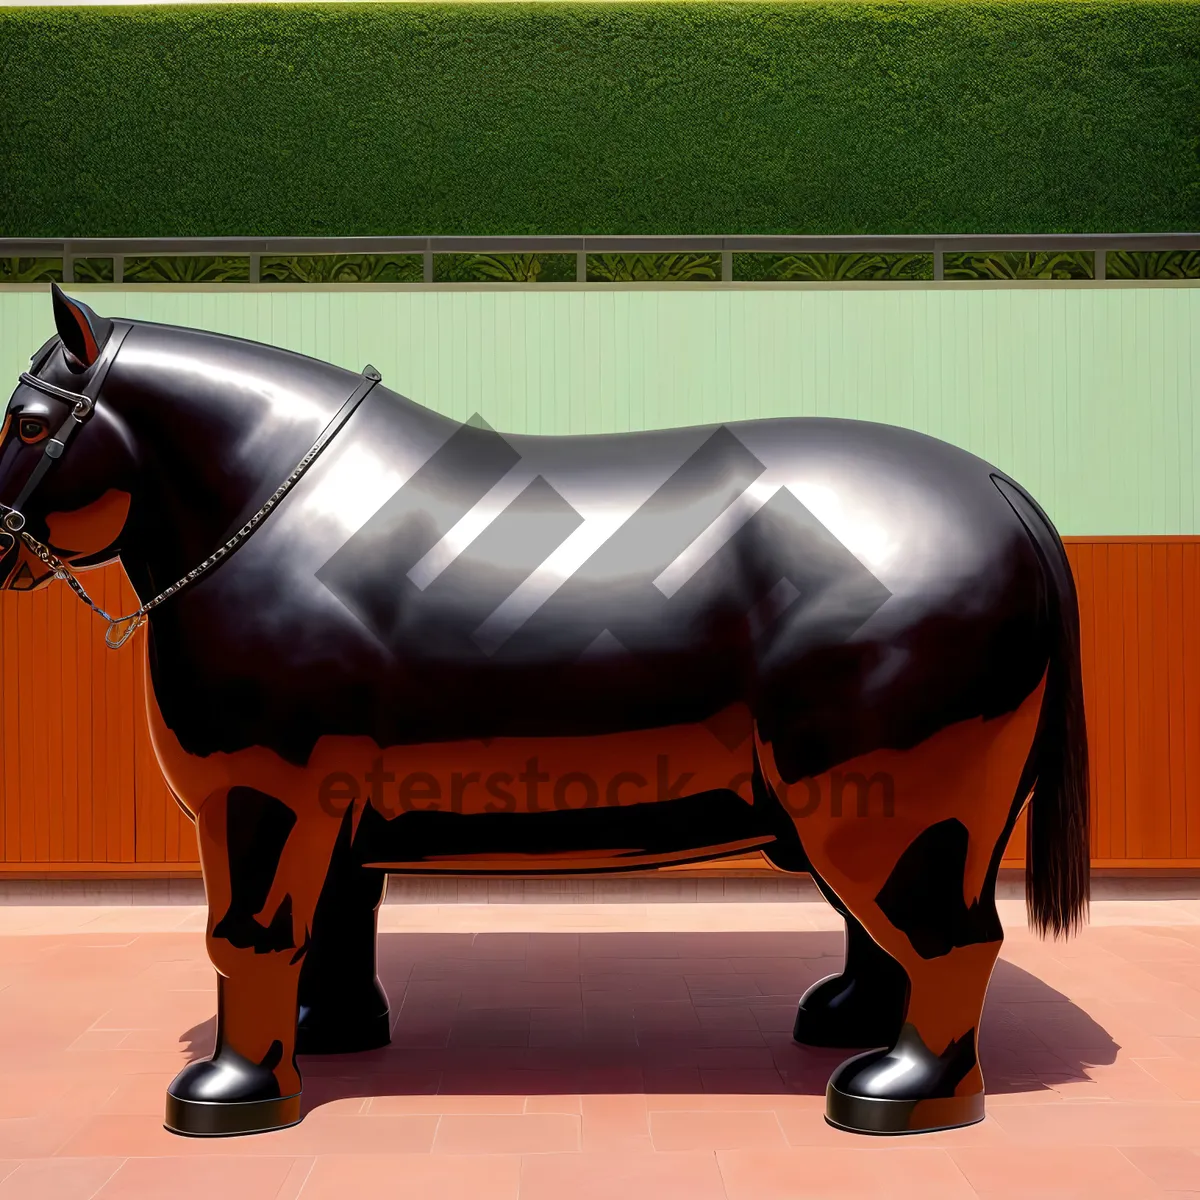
(343, 1007)
(264, 863)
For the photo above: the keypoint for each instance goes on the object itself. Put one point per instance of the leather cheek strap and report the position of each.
(83, 405)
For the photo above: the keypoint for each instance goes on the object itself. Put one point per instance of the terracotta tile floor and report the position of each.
(588, 1051)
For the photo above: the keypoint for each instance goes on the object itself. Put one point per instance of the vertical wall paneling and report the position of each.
(1088, 396)
(79, 783)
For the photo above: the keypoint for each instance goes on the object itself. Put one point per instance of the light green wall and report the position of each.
(1089, 396)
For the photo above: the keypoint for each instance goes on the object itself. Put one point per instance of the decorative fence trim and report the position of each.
(602, 261)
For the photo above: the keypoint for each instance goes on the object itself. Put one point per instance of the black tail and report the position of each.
(1057, 855)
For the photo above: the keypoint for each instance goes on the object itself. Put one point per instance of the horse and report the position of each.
(380, 640)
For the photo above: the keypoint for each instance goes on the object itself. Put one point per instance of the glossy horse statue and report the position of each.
(421, 646)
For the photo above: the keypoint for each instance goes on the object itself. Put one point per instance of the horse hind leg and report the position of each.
(929, 1077)
(862, 1005)
(915, 863)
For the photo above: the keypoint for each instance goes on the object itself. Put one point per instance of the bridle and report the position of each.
(83, 405)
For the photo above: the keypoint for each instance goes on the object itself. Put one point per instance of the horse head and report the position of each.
(149, 443)
(79, 507)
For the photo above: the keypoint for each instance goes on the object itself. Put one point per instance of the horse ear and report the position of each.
(83, 332)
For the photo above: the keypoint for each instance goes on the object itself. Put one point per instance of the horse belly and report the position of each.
(545, 805)
(619, 801)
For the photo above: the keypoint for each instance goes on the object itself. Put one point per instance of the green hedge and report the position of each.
(1080, 116)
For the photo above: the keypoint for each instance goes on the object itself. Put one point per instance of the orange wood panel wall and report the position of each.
(80, 793)
(1140, 626)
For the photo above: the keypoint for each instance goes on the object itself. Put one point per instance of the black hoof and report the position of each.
(325, 1031)
(228, 1095)
(905, 1090)
(837, 1012)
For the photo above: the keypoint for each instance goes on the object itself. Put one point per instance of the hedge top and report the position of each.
(716, 118)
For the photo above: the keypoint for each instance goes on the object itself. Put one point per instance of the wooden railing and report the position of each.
(81, 794)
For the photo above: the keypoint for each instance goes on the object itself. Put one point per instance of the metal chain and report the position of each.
(63, 572)
(134, 620)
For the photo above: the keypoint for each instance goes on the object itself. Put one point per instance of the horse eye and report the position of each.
(31, 431)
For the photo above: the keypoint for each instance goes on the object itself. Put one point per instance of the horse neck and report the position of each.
(217, 425)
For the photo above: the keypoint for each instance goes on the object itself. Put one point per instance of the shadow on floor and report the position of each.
(683, 1013)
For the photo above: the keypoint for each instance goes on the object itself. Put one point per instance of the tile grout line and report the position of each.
(949, 1152)
(108, 1179)
(297, 1192)
(721, 1174)
(1121, 1150)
